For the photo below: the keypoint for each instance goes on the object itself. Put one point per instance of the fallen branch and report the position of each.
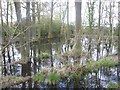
(8, 81)
(76, 71)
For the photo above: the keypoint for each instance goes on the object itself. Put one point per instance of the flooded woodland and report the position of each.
(60, 44)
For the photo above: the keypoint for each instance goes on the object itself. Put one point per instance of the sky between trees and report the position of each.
(72, 10)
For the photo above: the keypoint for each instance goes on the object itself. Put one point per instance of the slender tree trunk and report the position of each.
(34, 36)
(1, 67)
(34, 59)
(13, 56)
(68, 32)
(4, 70)
(11, 24)
(33, 32)
(91, 15)
(111, 30)
(39, 33)
(8, 53)
(98, 44)
(118, 70)
(38, 11)
(50, 33)
(21, 38)
(9, 59)
(77, 45)
(99, 29)
(11, 10)
(28, 45)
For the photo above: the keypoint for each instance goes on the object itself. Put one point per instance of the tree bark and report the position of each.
(4, 70)
(50, 33)
(21, 38)
(77, 45)
(28, 45)
(118, 71)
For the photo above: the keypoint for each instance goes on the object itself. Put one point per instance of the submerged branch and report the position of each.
(77, 71)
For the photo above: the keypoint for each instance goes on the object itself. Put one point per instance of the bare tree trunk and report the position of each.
(38, 11)
(99, 29)
(11, 10)
(8, 53)
(1, 67)
(33, 32)
(13, 56)
(67, 30)
(21, 38)
(11, 24)
(118, 70)
(77, 45)
(98, 44)
(28, 45)
(4, 70)
(110, 23)
(18, 11)
(50, 33)
(78, 7)
(39, 32)
(110, 18)
(91, 14)
(34, 36)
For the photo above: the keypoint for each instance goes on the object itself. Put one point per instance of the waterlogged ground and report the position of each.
(104, 76)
